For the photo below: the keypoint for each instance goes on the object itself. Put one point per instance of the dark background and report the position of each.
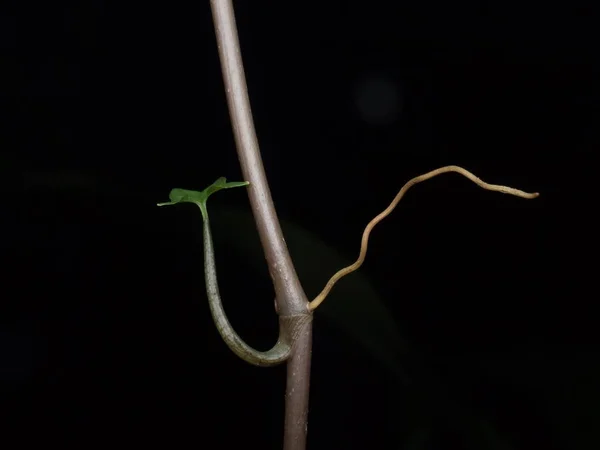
(105, 333)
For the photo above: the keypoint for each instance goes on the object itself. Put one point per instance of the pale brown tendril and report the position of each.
(365, 237)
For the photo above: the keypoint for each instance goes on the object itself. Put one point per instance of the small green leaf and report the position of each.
(178, 195)
(222, 183)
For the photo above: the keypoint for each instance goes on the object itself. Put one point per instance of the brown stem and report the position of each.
(297, 392)
(289, 295)
(288, 291)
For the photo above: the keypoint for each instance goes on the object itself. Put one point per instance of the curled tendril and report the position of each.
(365, 237)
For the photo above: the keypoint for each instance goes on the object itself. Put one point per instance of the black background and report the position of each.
(105, 333)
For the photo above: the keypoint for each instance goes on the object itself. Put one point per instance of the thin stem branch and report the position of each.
(365, 238)
(290, 327)
(290, 298)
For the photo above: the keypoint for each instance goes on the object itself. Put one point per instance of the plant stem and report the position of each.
(289, 295)
(297, 392)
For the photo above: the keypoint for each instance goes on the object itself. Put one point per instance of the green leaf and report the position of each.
(179, 195)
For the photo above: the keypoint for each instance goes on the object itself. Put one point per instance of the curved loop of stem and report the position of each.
(289, 326)
(365, 237)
